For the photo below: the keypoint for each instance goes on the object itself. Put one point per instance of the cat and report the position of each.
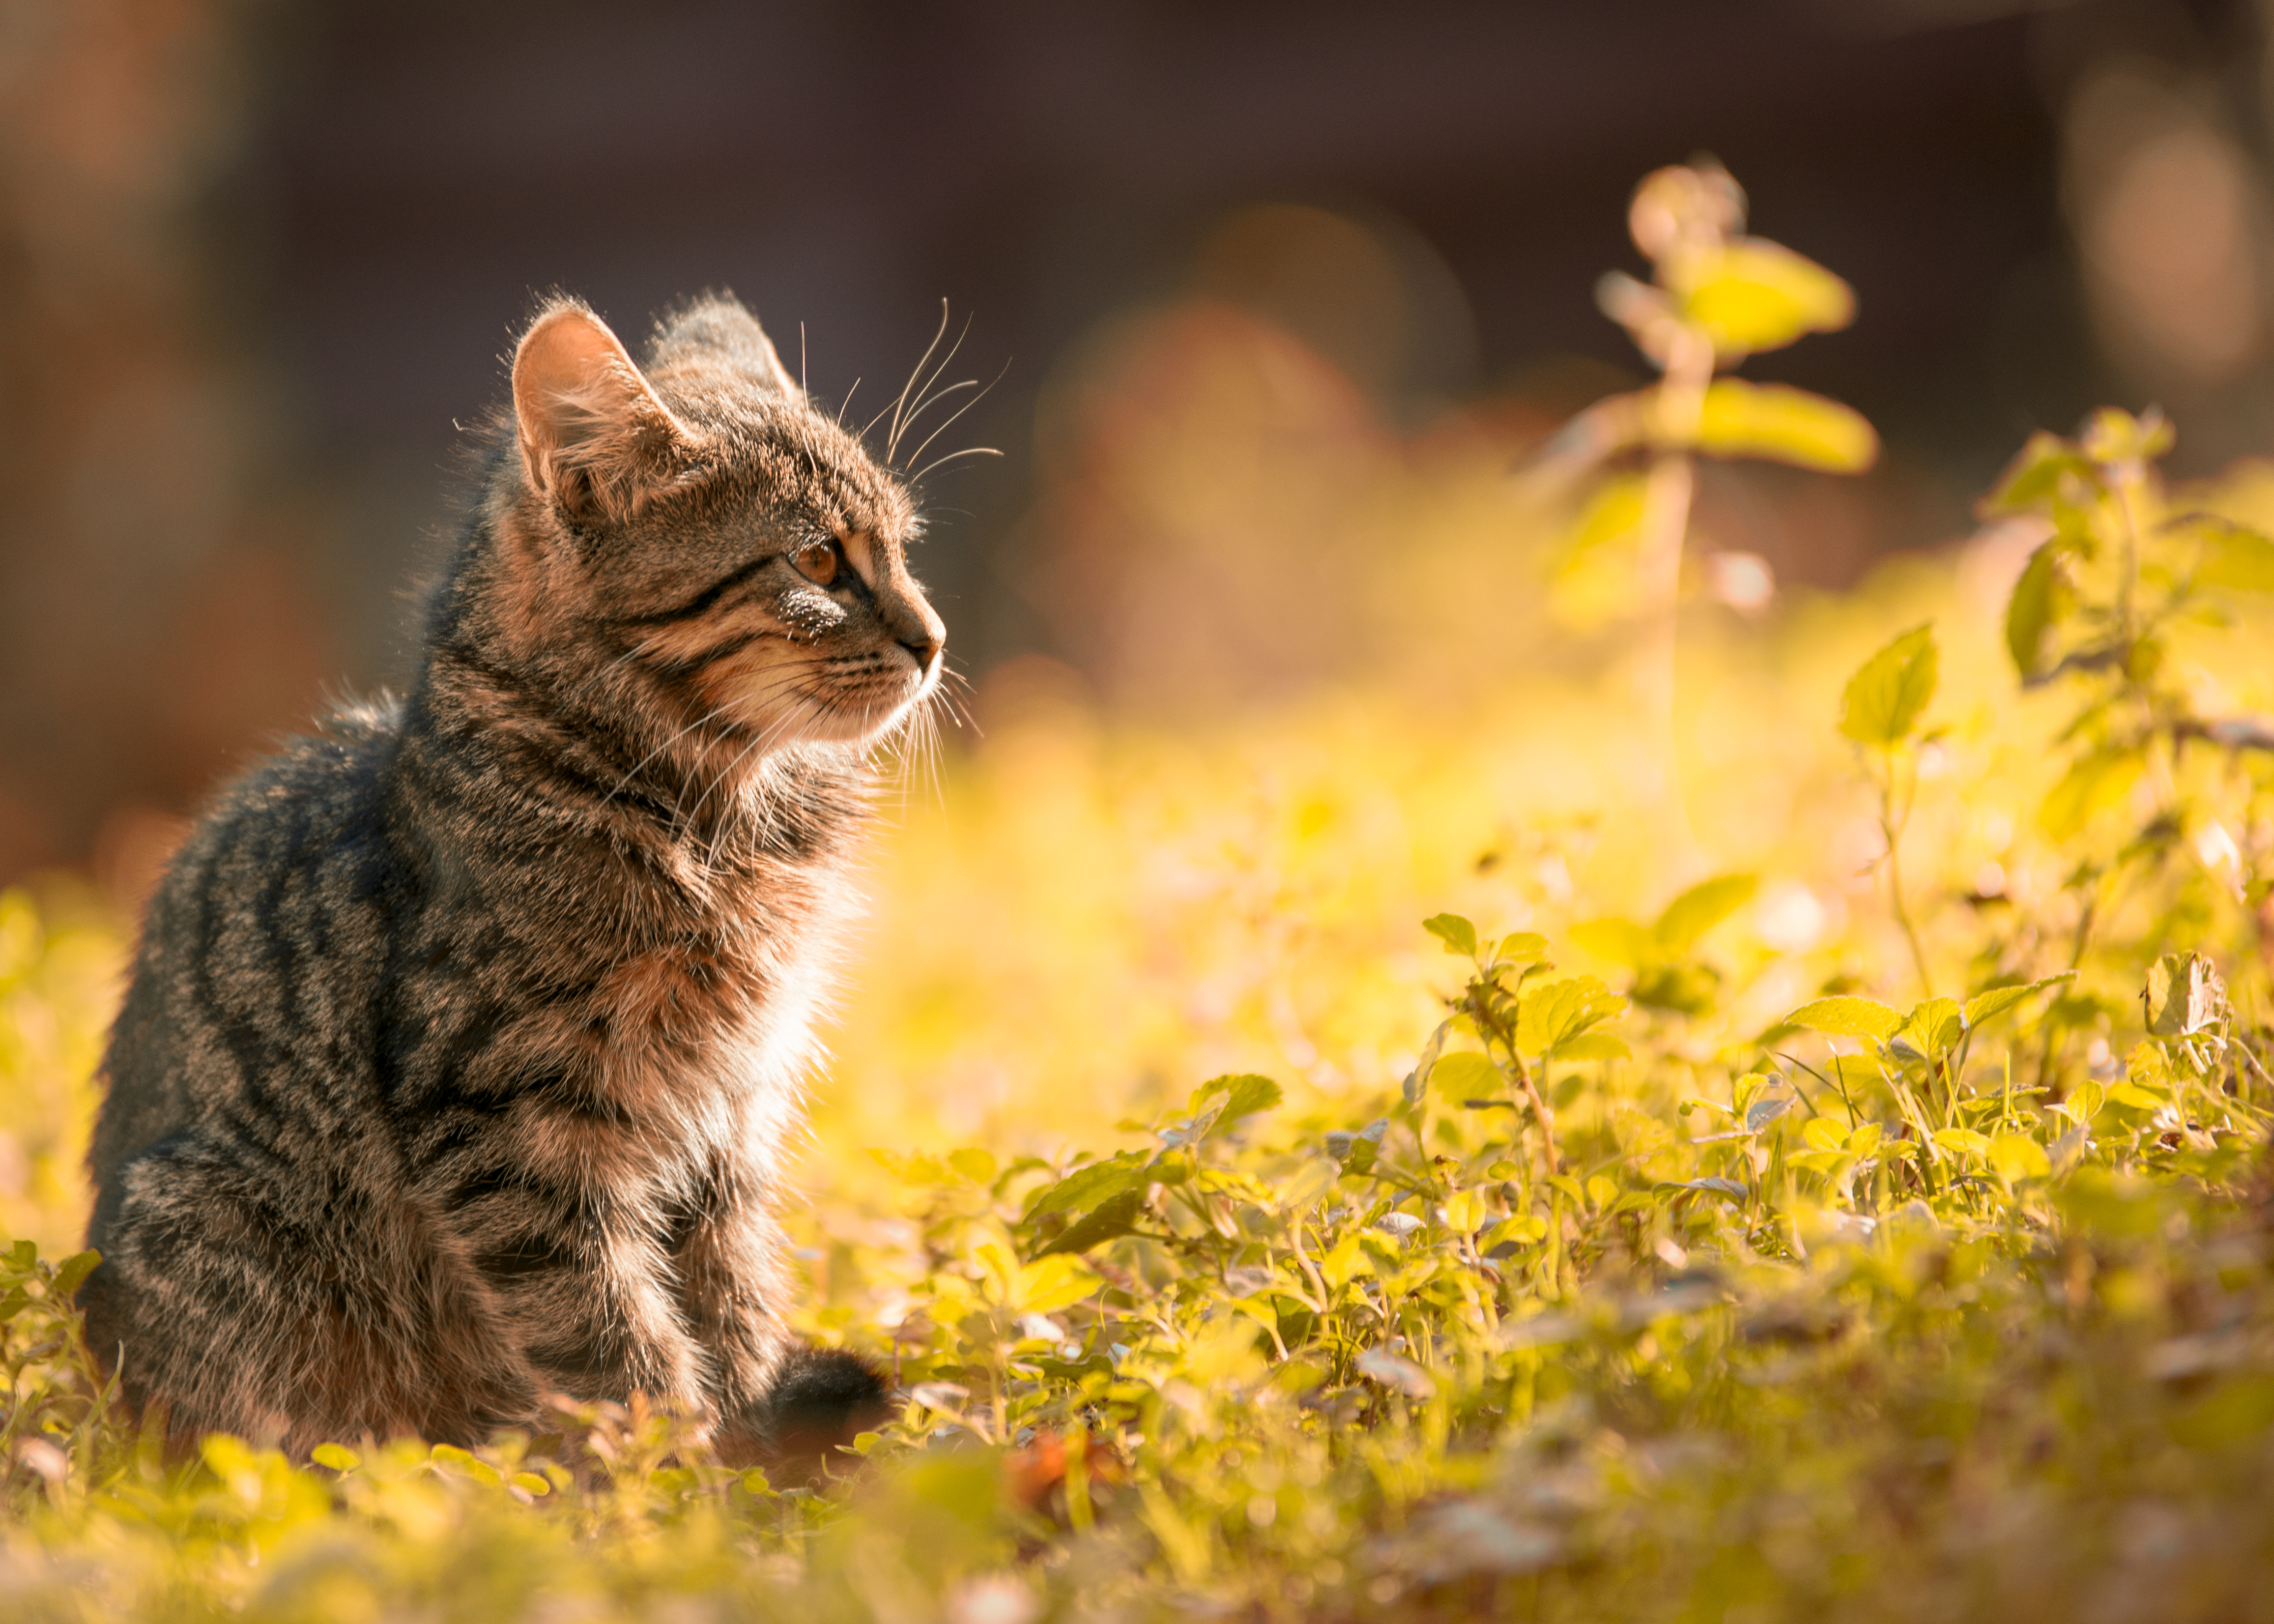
(465, 1039)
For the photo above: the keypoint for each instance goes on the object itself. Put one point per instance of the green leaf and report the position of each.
(1730, 1189)
(1595, 1046)
(974, 1164)
(70, 1273)
(1310, 1180)
(1753, 294)
(1052, 1282)
(1521, 947)
(1963, 1141)
(1621, 941)
(2017, 1156)
(1934, 1027)
(1248, 1094)
(1700, 908)
(1086, 1186)
(1113, 1218)
(2238, 559)
(1848, 1017)
(1995, 1001)
(2185, 995)
(1344, 1262)
(1458, 935)
(1357, 1151)
(2115, 435)
(1465, 1075)
(2041, 598)
(1781, 423)
(2034, 475)
(1554, 1012)
(1886, 694)
(2092, 784)
(1426, 1062)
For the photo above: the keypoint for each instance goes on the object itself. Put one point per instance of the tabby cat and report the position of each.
(465, 1039)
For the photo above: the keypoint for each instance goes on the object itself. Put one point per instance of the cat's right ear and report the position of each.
(594, 437)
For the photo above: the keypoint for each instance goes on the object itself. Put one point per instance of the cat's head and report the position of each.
(706, 538)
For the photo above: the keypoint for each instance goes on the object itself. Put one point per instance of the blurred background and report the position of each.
(1278, 295)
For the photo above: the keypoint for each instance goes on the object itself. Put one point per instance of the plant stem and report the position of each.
(1676, 407)
(1891, 828)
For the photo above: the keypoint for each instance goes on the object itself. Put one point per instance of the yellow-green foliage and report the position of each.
(1356, 1161)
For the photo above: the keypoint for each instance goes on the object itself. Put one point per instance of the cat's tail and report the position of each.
(821, 1397)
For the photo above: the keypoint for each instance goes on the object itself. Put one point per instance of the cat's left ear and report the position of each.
(594, 437)
(716, 328)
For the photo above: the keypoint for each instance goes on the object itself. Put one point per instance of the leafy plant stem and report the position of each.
(1892, 823)
(1677, 405)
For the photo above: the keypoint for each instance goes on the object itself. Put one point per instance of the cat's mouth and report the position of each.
(864, 698)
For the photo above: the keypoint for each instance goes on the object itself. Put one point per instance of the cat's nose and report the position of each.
(921, 633)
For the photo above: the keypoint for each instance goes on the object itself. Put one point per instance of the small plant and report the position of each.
(1715, 297)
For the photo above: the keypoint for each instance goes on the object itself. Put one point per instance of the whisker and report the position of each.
(900, 424)
(966, 406)
(922, 474)
(708, 716)
(920, 363)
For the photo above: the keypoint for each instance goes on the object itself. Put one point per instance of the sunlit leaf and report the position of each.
(1344, 1262)
(1784, 425)
(1052, 1282)
(1700, 908)
(2239, 559)
(1312, 1178)
(1760, 1113)
(1246, 1094)
(2115, 436)
(1112, 1218)
(1465, 1075)
(1457, 934)
(1887, 693)
(1729, 1189)
(974, 1164)
(1596, 1045)
(2041, 597)
(1934, 1027)
(2185, 995)
(1848, 1017)
(1521, 947)
(1086, 1186)
(1996, 1001)
(2018, 1156)
(1754, 295)
(71, 1272)
(2035, 474)
(1621, 941)
(1554, 1012)
(1823, 1133)
(2092, 785)
(1963, 1141)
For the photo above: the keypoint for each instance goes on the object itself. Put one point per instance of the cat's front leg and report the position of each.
(778, 1400)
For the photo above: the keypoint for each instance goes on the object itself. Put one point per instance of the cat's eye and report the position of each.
(816, 562)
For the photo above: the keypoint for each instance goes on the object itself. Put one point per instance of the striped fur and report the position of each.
(464, 1039)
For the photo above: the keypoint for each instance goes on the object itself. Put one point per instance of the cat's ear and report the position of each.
(594, 437)
(716, 328)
